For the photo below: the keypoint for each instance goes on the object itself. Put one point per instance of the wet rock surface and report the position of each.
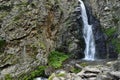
(101, 71)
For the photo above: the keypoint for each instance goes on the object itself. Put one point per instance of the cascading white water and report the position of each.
(87, 34)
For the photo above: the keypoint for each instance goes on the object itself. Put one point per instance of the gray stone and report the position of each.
(115, 74)
(90, 69)
(103, 77)
(56, 78)
(88, 75)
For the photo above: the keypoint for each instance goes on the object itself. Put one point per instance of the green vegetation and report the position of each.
(24, 3)
(75, 70)
(56, 59)
(83, 64)
(57, 75)
(61, 74)
(36, 73)
(115, 41)
(42, 45)
(8, 77)
(51, 77)
(109, 32)
(3, 14)
(38, 44)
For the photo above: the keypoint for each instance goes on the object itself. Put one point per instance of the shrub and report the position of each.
(110, 31)
(56, 59)
(36, 73)
(8, 77)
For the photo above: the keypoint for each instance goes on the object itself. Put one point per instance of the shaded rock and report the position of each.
(49, 71)
(115, 74)
(116, 66)
(81, 73)
(92, 78)
(107, 9)
(78, 66)
(103, 77)
(89, 75)
(72, 36)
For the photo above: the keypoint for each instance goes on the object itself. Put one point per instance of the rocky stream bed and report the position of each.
(87, 70)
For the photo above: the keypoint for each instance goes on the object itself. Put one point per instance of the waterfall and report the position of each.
(87, 34)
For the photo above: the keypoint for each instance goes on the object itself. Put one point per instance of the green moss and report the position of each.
(111, 40)
(3, 14)
(116, 42)
(83, 64)
(42, 45)
(110, 31)
(51, 77)
(36, 73)
(56, 59)
(75, 70)
(8, 77)
(61, 74)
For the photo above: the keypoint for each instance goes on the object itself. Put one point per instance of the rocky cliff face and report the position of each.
(107, 12)
(30, 29)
